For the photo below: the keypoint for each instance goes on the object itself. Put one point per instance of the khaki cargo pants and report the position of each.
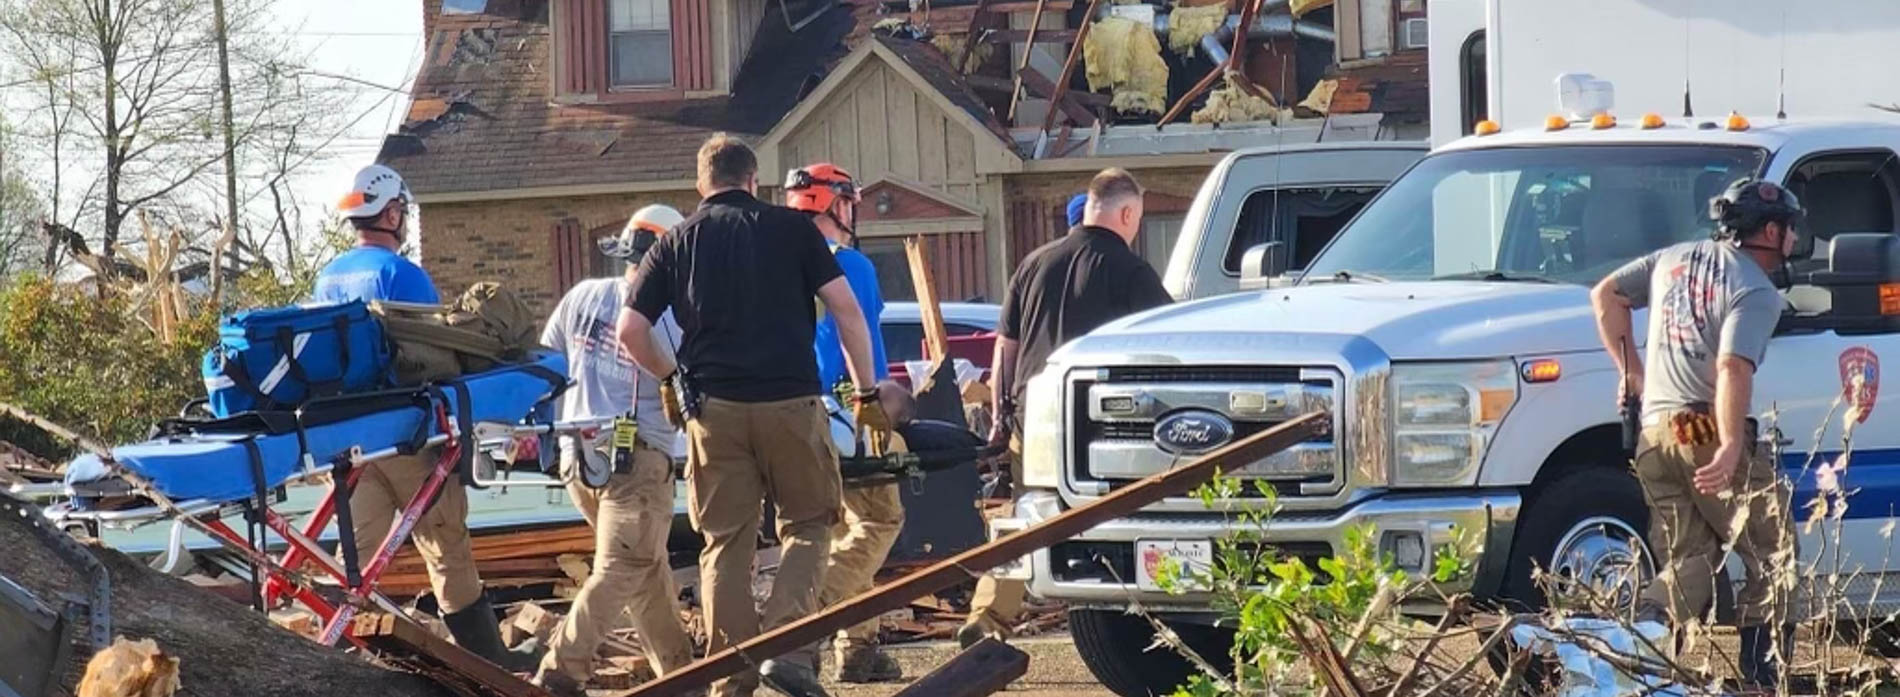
(1691, 531)
(738, 453)
(440, 535)
(631, 517)
(998, 602)
(872, 518)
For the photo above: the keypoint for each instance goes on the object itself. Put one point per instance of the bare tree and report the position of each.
(128, 93)
(19, 210)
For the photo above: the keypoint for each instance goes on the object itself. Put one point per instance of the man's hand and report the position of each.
(999, 430)
(1630, 385)
(1714, 477)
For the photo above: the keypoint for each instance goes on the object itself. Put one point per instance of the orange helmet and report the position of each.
(814, 189)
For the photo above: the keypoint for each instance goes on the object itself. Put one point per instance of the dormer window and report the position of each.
(640, 41)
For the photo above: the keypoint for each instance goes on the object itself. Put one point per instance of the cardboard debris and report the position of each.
(1188, 24)
(1320, 100)
(1124, 57)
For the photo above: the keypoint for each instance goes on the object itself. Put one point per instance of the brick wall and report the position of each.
(510, 241)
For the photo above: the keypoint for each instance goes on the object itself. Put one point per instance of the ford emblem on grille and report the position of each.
(1192, 432)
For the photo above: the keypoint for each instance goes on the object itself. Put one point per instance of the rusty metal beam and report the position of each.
(960, 568)
(451, 666)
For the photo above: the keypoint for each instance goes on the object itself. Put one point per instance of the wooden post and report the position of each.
(1029, 48)
(1068, 66)
(936, 577)
(936, 342)
(447, 664)
(970, 37)
(984, 669)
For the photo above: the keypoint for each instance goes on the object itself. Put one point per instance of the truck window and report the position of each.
(1472, 101)
(1847, 192)
(1570, 214)
(1305, 219)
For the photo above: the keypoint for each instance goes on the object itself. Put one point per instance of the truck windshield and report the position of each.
(1569, 214)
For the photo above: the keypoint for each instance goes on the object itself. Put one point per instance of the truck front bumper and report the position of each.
(1098, 567)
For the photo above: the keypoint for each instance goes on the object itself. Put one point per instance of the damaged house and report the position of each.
(538, 126)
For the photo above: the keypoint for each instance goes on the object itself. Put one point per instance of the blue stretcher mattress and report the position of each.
(217, 466)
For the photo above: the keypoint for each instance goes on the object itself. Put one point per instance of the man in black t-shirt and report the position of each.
(739, 275)
(1064, 289)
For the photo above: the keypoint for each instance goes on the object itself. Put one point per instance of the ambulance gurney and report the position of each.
(196, 471)
(937, 480)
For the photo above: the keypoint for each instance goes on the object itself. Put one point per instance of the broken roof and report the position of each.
(483, 118)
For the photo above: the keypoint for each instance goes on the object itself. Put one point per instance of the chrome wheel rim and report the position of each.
(1600, 557)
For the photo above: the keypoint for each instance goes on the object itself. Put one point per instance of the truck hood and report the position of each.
(1433, 320)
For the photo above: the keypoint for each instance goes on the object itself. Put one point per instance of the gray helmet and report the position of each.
(1748, 204)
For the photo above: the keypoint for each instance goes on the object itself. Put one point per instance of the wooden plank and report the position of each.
(1029, 51)
(873, 128)
(1039, 85)
(841, 120)
(983, 669)
(979, 17)
(930, 144)
(924, 279)
(960, 155)
(1020, 36)
(902, 102)
(957, 569)
(386, 633)
(1068, 66)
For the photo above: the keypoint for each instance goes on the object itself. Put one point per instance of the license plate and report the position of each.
(1193, 556)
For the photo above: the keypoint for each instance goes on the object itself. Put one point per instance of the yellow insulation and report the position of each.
(1229, 104)
(1186, 25)
(1301, 7)
(1124, 56)
(952, 46)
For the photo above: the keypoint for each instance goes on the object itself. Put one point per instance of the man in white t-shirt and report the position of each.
(633, 512)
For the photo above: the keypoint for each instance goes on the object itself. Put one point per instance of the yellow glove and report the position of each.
(670, 403)
(872, 422)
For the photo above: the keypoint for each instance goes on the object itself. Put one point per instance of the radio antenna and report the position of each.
(1781, 83)
(1688, 110)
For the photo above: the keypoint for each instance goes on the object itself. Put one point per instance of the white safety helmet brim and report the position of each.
(646, 226)
(375, 187)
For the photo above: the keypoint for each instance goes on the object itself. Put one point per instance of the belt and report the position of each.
(1660, 417)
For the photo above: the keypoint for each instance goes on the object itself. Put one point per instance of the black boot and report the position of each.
(1764, 654)
(476, 630)
(793, 678)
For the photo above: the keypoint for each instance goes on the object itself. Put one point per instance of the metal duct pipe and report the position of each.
(1268, 27)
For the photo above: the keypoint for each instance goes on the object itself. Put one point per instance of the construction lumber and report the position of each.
(978, 19)
(985, 668)
(451, 665)
(936, 340)
(1038, 84)
(960, 568)
(1068, 66)
(1029, 50)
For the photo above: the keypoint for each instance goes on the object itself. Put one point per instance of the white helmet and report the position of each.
(375, 186)
(643, 229)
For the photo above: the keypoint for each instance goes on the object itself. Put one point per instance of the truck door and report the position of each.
(1816, 374)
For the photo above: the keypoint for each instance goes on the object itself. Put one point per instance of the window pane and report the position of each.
(643, 58)
(638, 15)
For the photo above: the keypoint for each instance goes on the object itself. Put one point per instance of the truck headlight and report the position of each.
(1042, 429)
(1443, 417)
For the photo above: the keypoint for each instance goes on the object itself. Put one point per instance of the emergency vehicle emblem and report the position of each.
(1860, 380)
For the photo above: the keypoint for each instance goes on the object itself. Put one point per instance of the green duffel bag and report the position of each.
(485, 326)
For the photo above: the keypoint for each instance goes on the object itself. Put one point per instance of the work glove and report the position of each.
(670, 403)
(872, 422)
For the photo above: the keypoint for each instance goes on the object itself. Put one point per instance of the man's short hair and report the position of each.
(724, 161)
(1112, 185)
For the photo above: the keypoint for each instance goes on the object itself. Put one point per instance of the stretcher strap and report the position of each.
(340, 491)
(254, 517)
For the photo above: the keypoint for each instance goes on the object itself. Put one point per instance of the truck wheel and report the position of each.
(1585, 528)
(1112, 645)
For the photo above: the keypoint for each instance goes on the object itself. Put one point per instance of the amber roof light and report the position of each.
(1486, 127)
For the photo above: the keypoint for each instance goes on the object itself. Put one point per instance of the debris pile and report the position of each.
(1230, 104)
(222, 648)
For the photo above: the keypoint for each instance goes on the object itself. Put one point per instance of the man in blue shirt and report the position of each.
(873, 515)
(377, 206)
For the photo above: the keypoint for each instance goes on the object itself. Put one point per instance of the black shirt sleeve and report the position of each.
(819, 263)
(652, 290)
(1144, 288)
(1009, 323)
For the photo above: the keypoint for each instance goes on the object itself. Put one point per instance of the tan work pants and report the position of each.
(1690, 530)
(738, 453)
(440, 535)
(1000, 601)
(631, 517)
(860, 542)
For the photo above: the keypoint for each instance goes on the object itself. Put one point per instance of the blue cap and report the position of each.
(1076, 205)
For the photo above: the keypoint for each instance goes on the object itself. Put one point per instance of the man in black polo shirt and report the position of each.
(1064, 289)
(739, 275)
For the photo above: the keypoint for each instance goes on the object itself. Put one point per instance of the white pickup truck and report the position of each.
(1448, 332)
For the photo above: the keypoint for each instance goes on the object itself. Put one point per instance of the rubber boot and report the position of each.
(866, 663)
(1763, 654)
(476, 629)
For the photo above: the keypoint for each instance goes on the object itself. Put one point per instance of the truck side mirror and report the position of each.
(1861, 268)
(1262, 262)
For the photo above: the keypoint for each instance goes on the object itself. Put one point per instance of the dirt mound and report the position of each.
(223, 648)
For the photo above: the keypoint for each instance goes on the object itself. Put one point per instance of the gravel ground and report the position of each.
(1054, 670)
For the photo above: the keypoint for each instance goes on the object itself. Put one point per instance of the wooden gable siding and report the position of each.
(877, 125)
(959, 264)
(1033, 223)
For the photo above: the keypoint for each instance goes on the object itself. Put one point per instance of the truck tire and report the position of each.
(1600, 518)
(1111, 643)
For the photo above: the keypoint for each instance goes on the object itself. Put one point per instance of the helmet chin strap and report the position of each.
(850, 232)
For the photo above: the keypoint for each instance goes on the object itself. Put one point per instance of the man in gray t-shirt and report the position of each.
(1712, 309)
(633, 512)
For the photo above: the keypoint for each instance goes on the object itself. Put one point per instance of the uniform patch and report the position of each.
(1860, 380)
